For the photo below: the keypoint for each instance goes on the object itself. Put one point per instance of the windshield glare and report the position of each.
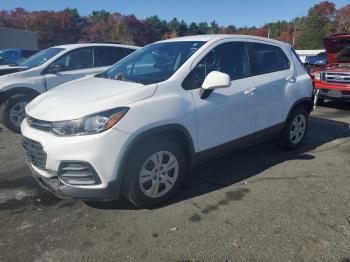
(154, 63)
(41, 57)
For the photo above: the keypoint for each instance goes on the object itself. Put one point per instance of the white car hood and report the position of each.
(87, 96)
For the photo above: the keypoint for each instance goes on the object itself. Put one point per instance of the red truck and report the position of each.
(332, 81)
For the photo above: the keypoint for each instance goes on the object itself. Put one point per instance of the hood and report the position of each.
(87, 96)
(8, 69)
(340, 67)
(337, 48)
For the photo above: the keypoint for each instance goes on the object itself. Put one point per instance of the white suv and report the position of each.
(19, 84)
(137, 128)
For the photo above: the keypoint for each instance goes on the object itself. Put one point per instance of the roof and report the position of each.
(217, 37)
(78, 45)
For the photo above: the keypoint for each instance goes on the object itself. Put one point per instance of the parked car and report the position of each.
(137, 128)
(19, 84)
(14, 55)
(333, 79)
(315, 61)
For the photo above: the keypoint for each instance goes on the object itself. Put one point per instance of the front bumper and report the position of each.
(102, 151)
(60, 190)
(331, 91)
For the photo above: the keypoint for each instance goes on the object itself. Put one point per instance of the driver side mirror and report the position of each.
(214, 80)
(53, 69)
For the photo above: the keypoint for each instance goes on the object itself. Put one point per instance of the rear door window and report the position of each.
(108, 55)
(266, 58)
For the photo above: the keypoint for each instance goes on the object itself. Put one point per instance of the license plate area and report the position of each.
(334, 93)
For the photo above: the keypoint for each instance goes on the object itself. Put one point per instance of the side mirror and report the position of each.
(214, 80)
(53, 69)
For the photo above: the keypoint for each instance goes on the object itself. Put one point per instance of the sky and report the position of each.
(237, 12)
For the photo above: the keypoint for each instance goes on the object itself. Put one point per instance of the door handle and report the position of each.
(250, 91)
(291, 79)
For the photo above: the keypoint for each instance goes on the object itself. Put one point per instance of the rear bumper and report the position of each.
(60, 190)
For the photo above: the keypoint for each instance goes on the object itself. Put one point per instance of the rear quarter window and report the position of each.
(266, 58)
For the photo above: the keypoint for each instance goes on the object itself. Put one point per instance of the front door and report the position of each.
(71, 66)
(227, 113)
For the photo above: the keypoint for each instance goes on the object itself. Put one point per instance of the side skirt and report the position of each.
(237, 144)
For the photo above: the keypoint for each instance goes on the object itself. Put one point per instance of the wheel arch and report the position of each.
(302, 102)
(171, 131)
(17, 91)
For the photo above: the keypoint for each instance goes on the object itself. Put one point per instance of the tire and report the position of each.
(320, 101)
(297, 121)
(142, 190)
(12, 111)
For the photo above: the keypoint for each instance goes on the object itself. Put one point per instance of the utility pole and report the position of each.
(268, 32)
(294, 29)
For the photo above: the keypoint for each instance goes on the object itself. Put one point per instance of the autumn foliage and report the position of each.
(67, 26)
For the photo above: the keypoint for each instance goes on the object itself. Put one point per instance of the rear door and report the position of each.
(272, 75)
(105, 56)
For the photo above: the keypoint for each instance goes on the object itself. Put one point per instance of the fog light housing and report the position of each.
(77, 173)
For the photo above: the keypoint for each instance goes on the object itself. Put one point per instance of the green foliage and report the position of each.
(312, 33)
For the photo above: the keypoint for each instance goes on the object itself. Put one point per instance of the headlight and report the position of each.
(90, 124)
(316, 75)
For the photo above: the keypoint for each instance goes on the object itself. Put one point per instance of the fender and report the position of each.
(305, 101)
(171, 130)
(16, 91)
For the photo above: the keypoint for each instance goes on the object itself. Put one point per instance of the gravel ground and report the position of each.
(258, 204)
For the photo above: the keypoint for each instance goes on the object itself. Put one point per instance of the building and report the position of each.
(14, 38)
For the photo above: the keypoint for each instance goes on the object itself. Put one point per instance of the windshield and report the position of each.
(41, 57)
(154, 63)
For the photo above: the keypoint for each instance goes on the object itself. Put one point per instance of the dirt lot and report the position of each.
(259, 204)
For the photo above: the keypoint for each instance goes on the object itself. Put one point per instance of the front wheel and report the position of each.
(295, 129)
(154, 173)
(13, 111)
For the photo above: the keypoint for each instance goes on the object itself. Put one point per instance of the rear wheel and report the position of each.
(154, 173)
(13, 111)
(295, 129)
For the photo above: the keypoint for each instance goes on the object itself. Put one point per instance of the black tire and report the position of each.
(132, 189)
(6, 107)
(285, 139)
(320, 101)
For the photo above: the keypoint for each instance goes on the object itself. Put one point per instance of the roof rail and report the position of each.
(104, 42)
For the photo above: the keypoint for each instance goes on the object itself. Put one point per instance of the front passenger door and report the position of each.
(73, 65)
(228, 113)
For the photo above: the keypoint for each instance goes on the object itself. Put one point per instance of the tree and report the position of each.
(214, 27)
(312, 33)
(182, 29)
(99, 15)
(156, 28)
(193, 29)
(343, 20)
(327, 12)
(203, 28)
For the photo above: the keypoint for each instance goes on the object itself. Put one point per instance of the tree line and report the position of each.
(68, 26)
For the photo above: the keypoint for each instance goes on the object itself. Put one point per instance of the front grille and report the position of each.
(336, 77)
(34, 152)
(39, 124)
